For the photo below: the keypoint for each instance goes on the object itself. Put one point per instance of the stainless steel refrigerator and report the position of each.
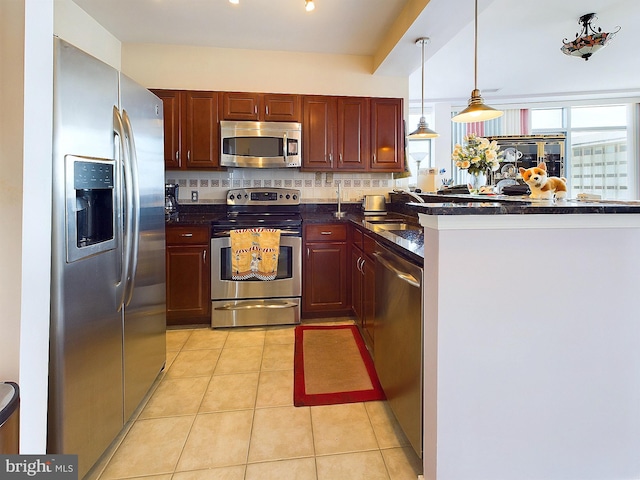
(108, 253)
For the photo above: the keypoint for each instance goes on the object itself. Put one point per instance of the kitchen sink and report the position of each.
(394, 226)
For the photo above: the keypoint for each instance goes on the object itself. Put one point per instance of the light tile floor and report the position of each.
(223, 410)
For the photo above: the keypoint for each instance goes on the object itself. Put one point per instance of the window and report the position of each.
(596, 161)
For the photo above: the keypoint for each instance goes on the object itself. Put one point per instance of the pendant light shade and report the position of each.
(423, 131)
(477, 111)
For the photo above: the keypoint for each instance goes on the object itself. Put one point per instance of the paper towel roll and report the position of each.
(428, 180)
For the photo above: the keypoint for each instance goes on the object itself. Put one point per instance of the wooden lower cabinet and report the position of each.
(363, 283)
(188, 275)
(325, 287)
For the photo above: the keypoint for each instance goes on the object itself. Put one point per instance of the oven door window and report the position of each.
(267, 147)
(285, 265)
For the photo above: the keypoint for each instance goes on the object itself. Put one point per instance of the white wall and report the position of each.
(36, 227)
(204, 68)
(74, 25)
(11, 135)
(532, 347)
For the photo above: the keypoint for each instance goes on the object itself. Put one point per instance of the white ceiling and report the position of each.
(519, 41)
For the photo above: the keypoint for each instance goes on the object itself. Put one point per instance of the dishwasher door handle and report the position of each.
(407, 277)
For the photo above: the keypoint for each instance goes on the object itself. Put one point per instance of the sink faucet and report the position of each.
(417, 197)
(339, 213)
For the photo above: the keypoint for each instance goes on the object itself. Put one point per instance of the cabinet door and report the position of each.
(240, 106)
(368, 299)
(318, 132)
(325, 285)
(387, 136)
(202, 130)
(281, 108)
(353, 133)
(173, 108)
(188, 280)
(356, 283)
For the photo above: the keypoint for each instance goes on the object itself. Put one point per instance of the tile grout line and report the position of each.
(253, 414)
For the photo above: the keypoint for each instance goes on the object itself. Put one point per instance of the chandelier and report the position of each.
(476, 110)
(589, 41)
(423, 130)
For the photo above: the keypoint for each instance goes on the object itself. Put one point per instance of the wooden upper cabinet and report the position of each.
(387, 135)
(282, 108)
(260, 107)
(190, 129)
(319, 132)
(173, 108)
(353, 133)
(201, 138)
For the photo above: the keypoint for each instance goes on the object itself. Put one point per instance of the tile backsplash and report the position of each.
(315, 187)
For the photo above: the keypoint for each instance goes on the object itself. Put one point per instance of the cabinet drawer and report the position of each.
(331, 232)
(369, 245)
(357, 237)
(188, 235)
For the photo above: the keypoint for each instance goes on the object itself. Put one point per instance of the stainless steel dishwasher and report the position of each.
(398, 339)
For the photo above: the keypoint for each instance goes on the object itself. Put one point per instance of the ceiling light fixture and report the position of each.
(423, 130)
(589, 41)
(235, 2)
(309, 5)
(477, 111)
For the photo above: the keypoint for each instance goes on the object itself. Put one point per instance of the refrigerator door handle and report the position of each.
(124, 167)
(135, 207)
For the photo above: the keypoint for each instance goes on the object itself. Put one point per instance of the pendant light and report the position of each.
(477, 111)
(423, 130)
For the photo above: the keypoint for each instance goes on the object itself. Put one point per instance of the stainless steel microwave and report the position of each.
(260, 144)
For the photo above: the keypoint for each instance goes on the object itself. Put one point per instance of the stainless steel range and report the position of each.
(251, 302)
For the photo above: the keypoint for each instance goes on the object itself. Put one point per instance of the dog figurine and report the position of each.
(543, 186)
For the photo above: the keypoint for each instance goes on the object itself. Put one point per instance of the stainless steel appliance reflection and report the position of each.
(398, 341)
(258, 302)
(107, 340)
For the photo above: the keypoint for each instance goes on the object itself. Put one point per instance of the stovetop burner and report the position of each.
(262, 207)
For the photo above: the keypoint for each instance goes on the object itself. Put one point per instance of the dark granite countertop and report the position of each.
(408, 243)
(467, 204)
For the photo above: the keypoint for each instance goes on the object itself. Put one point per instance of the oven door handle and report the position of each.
(252, 305)
(226, 233)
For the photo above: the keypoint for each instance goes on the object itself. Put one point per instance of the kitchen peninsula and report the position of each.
(531, 340)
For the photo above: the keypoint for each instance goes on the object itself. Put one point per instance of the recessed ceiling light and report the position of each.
(235, 2)
(309, 5)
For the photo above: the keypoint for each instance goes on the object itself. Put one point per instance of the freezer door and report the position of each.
(144, 310)
(85, 383)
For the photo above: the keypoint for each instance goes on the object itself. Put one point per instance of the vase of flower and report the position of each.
(477, 180)
(477, 157)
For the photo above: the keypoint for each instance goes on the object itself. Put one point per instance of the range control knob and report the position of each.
(287, 196)
(231, 197)
(295, 197)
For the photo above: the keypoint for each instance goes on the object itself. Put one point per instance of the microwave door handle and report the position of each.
(285, 146)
